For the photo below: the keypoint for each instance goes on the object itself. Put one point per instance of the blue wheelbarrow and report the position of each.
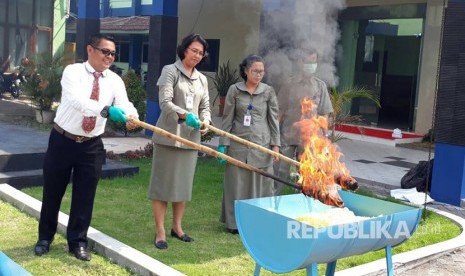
(279, 243)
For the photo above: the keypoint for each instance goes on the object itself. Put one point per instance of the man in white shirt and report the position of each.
(90, 94)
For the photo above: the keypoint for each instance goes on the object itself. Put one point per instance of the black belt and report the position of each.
(76, 138)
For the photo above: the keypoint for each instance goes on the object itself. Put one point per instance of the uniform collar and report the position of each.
(180, 66)
(91, 70)
(260, 89)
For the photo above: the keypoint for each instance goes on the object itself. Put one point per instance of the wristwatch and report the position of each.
(105, 112)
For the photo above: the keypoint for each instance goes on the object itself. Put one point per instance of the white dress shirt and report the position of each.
(76, 83)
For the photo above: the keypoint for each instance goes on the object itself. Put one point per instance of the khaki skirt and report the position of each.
(172, 173)
(240, 183)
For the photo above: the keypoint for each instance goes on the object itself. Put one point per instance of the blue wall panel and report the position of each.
(448, 174)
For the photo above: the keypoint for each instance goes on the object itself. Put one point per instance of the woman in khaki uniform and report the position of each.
(183, 95)
(250, 112)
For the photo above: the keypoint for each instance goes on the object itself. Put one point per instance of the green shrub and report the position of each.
(137, 96)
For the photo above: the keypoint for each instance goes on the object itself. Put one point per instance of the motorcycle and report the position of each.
(9, 83)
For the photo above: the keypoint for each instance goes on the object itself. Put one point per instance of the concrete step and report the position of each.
(33, 177)
(21, 162)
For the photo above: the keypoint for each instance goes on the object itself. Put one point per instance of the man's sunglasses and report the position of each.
(106, 52)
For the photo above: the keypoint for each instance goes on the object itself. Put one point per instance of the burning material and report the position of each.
(320, 168)
(330, 217)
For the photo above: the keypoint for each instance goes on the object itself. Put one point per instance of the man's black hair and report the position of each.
(94, 40)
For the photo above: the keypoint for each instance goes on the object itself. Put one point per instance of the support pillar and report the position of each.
(88, 23)
(163, 35)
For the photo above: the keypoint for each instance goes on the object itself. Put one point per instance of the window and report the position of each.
(145, 53)
(122, 49)
(210, 64)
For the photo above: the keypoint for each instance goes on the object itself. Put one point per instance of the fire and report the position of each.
(320, 168)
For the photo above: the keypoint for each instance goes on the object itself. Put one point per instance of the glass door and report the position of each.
(383, 55)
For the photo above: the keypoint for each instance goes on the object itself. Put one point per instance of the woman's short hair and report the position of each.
(247, 63)
(187, 41)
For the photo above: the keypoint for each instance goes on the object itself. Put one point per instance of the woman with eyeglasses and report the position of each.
(184, 103)
(250, 112)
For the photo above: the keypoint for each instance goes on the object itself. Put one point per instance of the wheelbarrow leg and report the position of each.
(331, 268)
(257, 269)
(390, 271)
(312, 270)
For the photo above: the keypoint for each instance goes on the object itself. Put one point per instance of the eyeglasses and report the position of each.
(197, 52)
(258, 72)
(106, 52)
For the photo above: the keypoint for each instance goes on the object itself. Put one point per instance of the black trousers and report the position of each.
(84, 161)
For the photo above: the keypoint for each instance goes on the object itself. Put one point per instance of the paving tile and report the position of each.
(394, 158)
(402, 164)
(364, 161)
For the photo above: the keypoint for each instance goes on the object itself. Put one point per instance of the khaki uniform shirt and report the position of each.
(264, 122)
(289, 97)
(174, 87)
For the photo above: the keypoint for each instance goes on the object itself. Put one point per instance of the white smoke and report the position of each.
(288, 25)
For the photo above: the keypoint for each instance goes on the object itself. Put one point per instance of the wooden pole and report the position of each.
(211, 152)
(252, 145)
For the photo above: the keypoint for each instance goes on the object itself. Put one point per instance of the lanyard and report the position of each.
(250, 106)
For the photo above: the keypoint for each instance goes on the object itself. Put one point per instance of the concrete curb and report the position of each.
(408, 260)
(104, 245)
(387, 142)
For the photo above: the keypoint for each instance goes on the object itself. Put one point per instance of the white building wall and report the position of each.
(235, 23)
(429, 66)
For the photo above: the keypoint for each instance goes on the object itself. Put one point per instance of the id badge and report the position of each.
(247, 119)
(190, 101)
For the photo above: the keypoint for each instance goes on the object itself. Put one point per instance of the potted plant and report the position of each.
(222, 80)
(43, 84)
(340, 98)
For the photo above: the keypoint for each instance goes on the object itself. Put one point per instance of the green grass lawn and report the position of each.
(123, 211)
(18, 235)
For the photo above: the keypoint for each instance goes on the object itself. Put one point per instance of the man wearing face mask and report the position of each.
(303, 85)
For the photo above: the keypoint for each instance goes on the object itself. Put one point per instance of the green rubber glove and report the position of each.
(192, 120)
(117, 114)
(222, 149)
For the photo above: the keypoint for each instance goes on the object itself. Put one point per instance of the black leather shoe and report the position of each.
(233, 231)
(184, 237)
(161, 244)
(42, 247)
(81, 253)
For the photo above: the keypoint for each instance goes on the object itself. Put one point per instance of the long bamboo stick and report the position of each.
(211, 152)
(349, 183)
(251, 144)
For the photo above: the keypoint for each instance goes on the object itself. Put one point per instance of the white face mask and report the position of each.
(310, 68)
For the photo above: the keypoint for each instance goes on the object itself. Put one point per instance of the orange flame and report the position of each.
(320, 168)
